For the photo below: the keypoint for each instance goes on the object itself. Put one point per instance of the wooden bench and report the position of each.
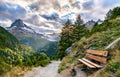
(95, 58)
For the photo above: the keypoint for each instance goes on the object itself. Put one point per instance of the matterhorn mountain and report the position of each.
(19, 27)
(46, 31)
(28, 36)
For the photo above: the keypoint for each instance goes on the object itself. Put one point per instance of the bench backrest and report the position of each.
(97, 52)
(97, 55)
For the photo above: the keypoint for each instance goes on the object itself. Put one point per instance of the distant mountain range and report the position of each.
(28, 36)
(91, 23)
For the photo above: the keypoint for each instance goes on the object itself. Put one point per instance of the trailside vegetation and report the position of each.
(12, 53)
(99, 38)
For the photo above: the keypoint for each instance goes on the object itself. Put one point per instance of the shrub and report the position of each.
(44, 62)
(114, 67)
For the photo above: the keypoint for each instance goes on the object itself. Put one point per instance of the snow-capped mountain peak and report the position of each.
(19, 25)
(47, 30)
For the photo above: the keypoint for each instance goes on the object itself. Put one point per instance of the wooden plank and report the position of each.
(94, 64)
(97, 52)
(97, 58)
(89, 65)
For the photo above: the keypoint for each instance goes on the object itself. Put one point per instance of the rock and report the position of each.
(73, 72)
(113, 44)
(90, 24)
(68, 50)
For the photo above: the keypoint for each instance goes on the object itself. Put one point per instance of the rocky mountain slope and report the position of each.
(90, 24)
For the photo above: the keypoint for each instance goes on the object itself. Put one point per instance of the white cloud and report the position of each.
(89, 9)
(5, 23)
(98, 9)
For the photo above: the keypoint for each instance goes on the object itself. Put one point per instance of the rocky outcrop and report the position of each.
(68, 50)
(90, 24)
(113, 44)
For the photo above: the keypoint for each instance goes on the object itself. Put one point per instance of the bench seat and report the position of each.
(89, 63)
(96, 56)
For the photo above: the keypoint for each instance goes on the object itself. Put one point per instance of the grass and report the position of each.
(112, 69)
(70, 60)
(16, 72)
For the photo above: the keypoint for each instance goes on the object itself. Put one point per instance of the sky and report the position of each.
(37, 12)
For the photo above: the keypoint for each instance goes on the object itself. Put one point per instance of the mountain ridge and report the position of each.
(26, 35)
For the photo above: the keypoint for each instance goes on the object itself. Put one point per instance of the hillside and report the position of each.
(99, 38)
(13, 54)
(7, 40)
(113, 66)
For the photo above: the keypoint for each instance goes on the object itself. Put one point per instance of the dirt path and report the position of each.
(48, 71)
(51, 71)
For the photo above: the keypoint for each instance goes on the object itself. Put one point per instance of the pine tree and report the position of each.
(108, 15)
(70, 34)
(79, 21)
(113, 13)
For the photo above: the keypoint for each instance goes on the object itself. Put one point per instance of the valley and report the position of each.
(43, 38)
